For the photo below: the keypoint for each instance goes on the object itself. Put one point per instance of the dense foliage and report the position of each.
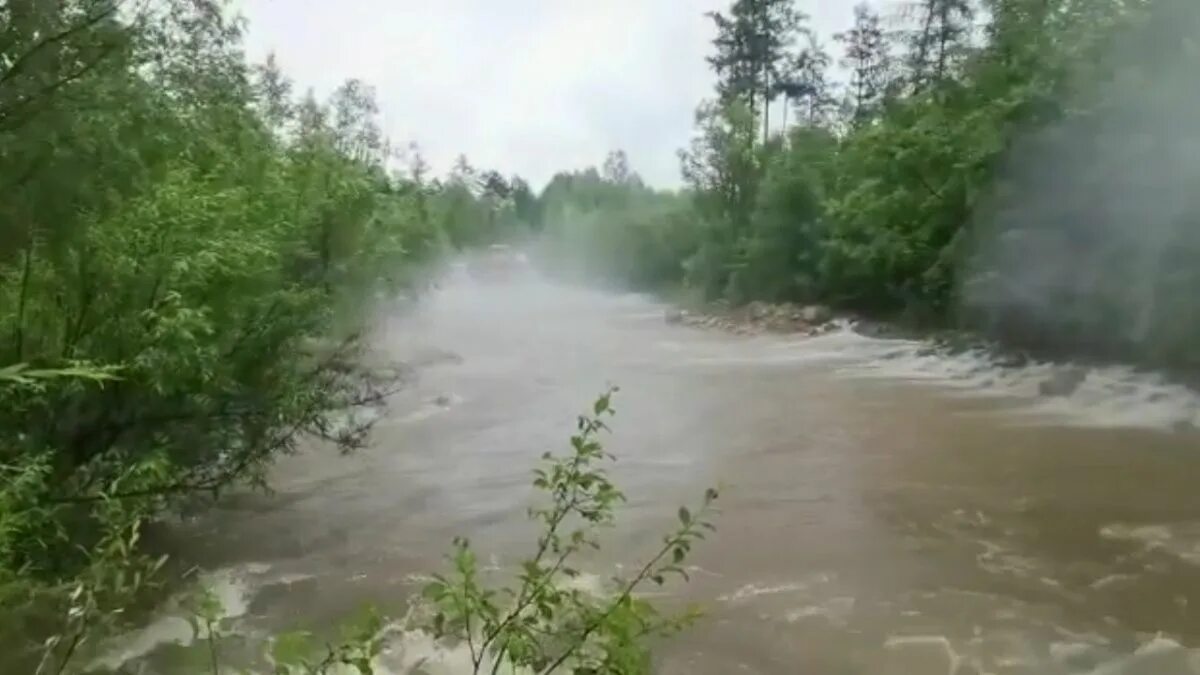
(608, 226)
(1016, 166)
(189, 256)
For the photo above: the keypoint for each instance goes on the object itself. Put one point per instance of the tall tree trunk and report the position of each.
(766, 106)
(19, 329)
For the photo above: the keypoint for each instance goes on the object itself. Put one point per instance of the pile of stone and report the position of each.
(759, 317)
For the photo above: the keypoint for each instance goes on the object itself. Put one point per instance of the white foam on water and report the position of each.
(989, 652)
(1107, 396)
(837, 611)
(430, 408)
(932, 652)
(232, 587)
(1110, 580)
(1158, 656)
(411, 651)
(123, 649)
(1181, 540)
(751, 591)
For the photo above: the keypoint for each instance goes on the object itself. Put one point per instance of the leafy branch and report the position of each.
(545, 623)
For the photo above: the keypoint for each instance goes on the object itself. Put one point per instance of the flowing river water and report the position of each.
(885, 509)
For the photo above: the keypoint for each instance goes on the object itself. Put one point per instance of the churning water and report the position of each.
(887, 509)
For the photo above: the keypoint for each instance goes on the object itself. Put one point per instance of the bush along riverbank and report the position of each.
(191, 257)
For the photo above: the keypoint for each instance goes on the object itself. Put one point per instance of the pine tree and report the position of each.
(808, 84)
(867, 60)
(938, 41)
(273, 91)
(752, 45)
(616, 167)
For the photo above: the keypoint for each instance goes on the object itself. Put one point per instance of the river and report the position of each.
(885, 509)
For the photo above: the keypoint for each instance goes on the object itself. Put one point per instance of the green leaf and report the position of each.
(685, 516)
(433, 591)
(292, 648)
(601, 404)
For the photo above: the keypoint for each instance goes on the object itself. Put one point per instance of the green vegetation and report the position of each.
(1017, 167)
(542, 623)
(190, 256)
(608, 226)
(189, 260)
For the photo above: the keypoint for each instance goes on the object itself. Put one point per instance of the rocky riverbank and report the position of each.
(757, 318)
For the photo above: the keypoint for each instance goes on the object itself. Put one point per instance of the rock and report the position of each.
(955, 344)
(780, 324)
(1012, 360)
(757, 311)
(873, 329)
(1063, 382)
(815, 314)
(675, 315)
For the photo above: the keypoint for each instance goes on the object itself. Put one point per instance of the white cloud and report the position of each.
(524, 86)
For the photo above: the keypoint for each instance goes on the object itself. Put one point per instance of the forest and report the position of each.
(191, 251)
(190, 255)
(1018, 168)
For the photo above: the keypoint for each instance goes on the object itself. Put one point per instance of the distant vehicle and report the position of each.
(499, 262)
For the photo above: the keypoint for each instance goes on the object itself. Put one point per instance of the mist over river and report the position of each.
(885, 509)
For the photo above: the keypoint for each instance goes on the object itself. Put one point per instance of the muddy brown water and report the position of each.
(884, 510)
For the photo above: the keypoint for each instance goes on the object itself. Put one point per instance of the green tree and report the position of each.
(938, 41)
(751, 52)
(867, 59)
(723, 168)
(174, 221)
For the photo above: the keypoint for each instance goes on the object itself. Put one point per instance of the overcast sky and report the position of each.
(524, 86)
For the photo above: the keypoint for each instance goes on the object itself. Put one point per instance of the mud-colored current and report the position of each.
(885, 509)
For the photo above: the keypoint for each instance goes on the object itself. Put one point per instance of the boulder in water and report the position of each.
(757, 311)
(675, 315)
(1063, 382)
(816, 314)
